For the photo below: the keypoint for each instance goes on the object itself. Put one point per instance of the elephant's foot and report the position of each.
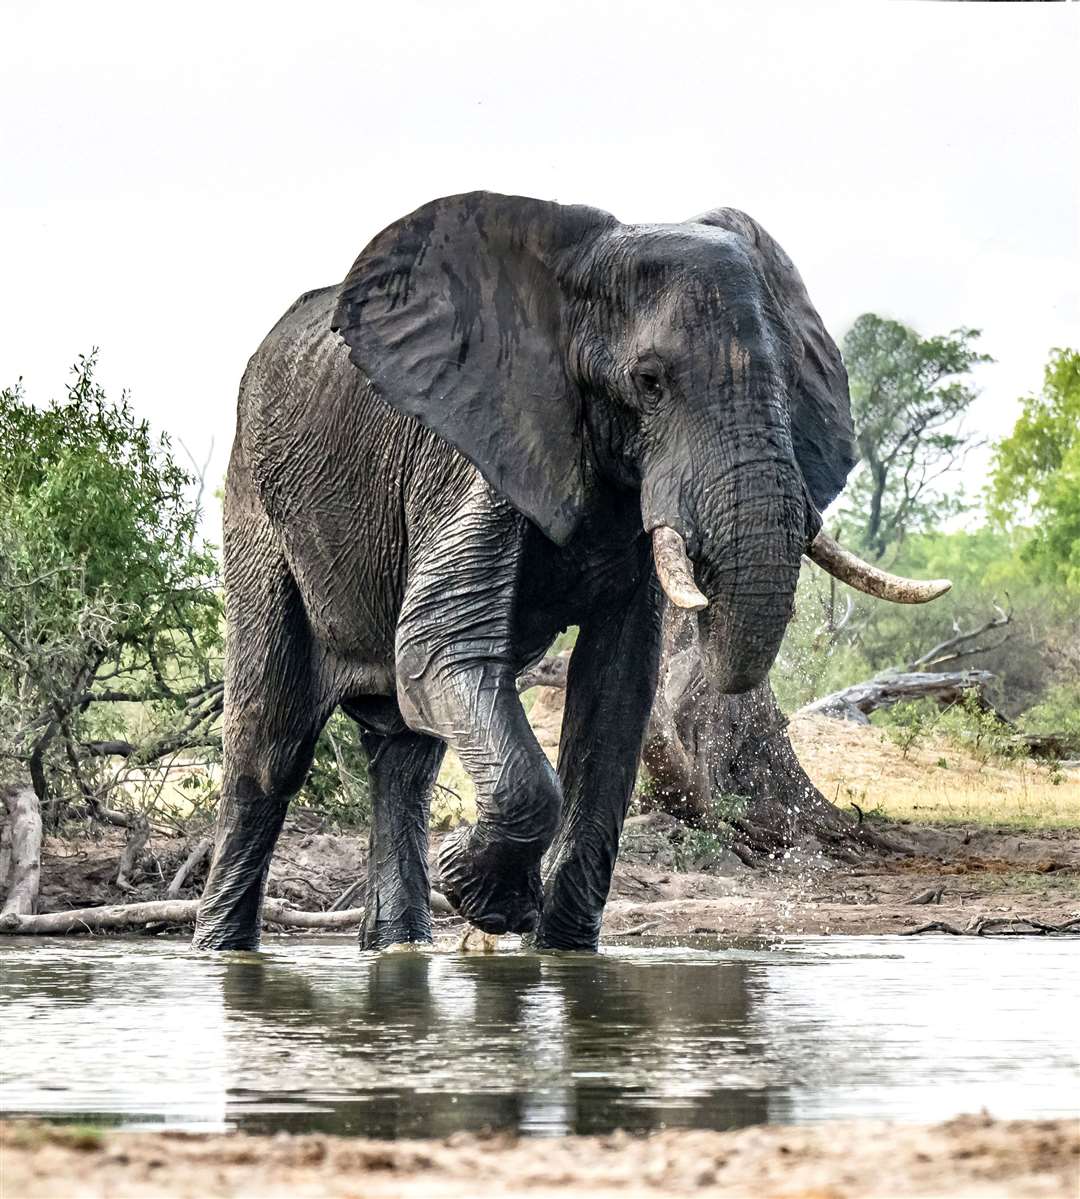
(489, 942)
(494, 885)
(224, 923)
(214, 941)
(558, 931)
(572, 916)
(411, 926)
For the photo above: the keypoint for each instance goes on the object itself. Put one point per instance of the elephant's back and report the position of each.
(340, 474)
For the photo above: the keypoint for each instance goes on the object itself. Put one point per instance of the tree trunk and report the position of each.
(22, 851)
(719, 760)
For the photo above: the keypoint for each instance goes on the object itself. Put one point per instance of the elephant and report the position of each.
(513, 416)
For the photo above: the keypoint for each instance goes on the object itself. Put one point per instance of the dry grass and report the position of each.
(853, 763)
(937, 782)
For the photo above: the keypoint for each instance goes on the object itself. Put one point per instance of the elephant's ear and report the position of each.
(821, 425)
(457, 314)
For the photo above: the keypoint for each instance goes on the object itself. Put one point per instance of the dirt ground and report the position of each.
(671, 880)
(970, 1156)
(986, 839)
(971, 873)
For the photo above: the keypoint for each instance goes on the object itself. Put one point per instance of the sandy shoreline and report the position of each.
(969, 1156)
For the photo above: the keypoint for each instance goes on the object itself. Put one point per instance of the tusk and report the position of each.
(676, 573)
(842, 564)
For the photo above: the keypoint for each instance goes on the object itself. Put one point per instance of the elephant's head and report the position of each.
(553, 345)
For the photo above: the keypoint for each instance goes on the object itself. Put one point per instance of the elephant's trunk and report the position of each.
(742, 640)
(739, 564)
(748, 548)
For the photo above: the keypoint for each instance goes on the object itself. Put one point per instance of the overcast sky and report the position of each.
(172, 182)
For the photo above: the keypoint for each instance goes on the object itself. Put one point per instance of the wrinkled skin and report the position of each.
(461, 450)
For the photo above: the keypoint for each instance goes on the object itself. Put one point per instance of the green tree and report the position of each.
(110, 611)
(908, 396)
(1036, 471)
(1034, 656)
(111, 619)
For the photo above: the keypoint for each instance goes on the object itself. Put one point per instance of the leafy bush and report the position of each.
(337, 785)
(908, 725)
(967, 724)
(110, 611)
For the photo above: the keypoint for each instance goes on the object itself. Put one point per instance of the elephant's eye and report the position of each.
(648, 381)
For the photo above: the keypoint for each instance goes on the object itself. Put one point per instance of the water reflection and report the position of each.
(316, 1036)
(417, 1044)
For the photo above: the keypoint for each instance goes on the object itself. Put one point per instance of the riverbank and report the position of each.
(672, 880)
(984, 840)
(968, 1156)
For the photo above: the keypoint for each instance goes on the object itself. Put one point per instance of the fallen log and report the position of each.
(855, 703)
(179, 911)
(22, 852)
(1050, 746)
(999, 926)
(165, 911)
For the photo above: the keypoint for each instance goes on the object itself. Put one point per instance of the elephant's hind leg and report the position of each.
(274, 712)
(402, 768)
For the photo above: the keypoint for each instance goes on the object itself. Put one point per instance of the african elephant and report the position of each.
(512, 416)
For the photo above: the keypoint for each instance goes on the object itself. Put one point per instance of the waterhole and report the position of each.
(313, 1035)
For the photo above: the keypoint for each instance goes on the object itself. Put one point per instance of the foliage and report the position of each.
(1057, 711)
(337, 784)
(1037, 651)
(908, 394)
(967, 724)
(110, 614)
(971, 726)
(1037, 468)
(908, 725)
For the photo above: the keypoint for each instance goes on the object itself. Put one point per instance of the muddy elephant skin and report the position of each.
(443, 462)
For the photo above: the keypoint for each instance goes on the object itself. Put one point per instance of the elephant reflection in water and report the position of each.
(421, 1044)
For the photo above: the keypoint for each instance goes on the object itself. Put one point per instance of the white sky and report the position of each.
(171, 183)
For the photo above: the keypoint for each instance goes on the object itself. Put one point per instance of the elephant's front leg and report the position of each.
(609, 694)
(456, 681)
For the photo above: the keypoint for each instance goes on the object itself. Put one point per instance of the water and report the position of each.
(313, 1035)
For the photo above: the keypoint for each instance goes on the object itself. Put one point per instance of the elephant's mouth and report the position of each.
(676, 572)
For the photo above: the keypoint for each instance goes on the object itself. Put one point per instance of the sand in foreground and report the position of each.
(968, 1156)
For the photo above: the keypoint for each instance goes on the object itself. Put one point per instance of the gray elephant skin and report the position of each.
(448, 459)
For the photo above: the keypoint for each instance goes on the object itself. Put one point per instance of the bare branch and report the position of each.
(949, 649)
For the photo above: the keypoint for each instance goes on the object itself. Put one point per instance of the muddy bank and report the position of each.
(968, 1156)
(672, 880)
(958, 876)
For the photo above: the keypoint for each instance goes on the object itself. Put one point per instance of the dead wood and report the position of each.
(200, 850)
(638, 929)
(999, 926)
(931, 895)
(959, 644)
(855, 703)
(166, 911)
(347, 896)
(548, 672)
(137, 835)
(23, 852)
(181, 911)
